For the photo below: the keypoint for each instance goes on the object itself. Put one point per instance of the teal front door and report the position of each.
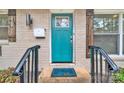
(62, 39)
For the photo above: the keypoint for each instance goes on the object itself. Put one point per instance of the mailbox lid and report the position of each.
(39, 32)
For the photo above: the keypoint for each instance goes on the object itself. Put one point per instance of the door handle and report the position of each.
(71, 39)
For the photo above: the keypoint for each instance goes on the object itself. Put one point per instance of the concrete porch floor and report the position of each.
(83, 76)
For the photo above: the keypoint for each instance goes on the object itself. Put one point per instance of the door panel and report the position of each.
(62, 26)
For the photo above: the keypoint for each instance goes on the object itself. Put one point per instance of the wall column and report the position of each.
(89, 30)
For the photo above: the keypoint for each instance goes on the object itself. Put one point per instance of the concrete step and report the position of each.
(83, 76)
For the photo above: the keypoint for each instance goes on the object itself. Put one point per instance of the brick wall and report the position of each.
(80, 38)
(12, 52)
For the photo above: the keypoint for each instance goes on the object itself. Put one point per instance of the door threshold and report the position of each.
(62, 64)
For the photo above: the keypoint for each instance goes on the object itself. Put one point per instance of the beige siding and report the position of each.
(12, 52)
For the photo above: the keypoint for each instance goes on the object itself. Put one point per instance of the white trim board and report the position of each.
(108, 11)
(61, 10)
(3, 11)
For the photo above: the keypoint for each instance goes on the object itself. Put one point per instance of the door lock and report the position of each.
(71, 38)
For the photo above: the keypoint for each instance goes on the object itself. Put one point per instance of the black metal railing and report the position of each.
(102, 66)
(27, 68)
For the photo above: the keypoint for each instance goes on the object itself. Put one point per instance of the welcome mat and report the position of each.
(63, 72)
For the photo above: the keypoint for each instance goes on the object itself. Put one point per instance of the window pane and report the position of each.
(107, 42)
(123, 43)
(3, 20)
(123, 23)
(106, 23)
(123, 34)
(3, 33)
(61, 21)
(3, 27)
(0, 51)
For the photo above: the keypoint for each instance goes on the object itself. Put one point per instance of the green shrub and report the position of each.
(118, 77)
(6, 76)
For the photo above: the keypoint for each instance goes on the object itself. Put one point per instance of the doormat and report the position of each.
(63, 72)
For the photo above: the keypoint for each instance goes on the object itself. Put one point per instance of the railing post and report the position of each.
(36, 65)
(109, 77)
(92, 64)
(106, 72)
(32, 66)
(100, 67)
(28, 69)
(97, 66)
(22, 75)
